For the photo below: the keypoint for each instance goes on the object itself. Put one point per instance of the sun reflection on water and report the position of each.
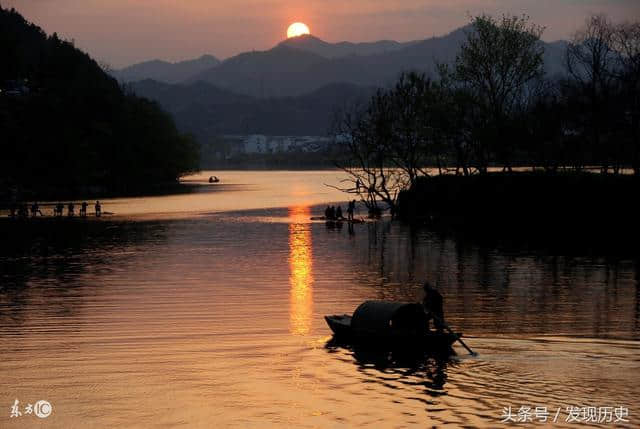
(301, 275)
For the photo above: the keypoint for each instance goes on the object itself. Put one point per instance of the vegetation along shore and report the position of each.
(495, 108)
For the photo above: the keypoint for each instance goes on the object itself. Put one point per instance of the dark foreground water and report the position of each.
(215, 320)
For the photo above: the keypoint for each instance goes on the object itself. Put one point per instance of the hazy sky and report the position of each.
(121, 32)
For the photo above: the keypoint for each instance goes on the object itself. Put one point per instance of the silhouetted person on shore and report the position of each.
(350, 209)
(35, 209)
(98, 208)
(71, 209)
(23, 211)
(330, 213)
(357, 184)
(59, 208)
(83, 209)
(339, 213)
(432, 303)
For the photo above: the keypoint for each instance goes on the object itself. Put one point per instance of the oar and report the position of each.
(471, 352)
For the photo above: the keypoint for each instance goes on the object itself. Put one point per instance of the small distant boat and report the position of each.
(214, 179)
(395, 324)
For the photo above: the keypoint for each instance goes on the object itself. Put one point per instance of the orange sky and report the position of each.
(121, 32)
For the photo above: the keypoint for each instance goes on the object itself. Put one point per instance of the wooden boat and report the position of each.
(340, 325)
(394, 324)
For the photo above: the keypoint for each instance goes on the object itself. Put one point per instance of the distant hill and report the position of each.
(274, 73)
(207, 111)
(293, 88)
(317, 46)
(71, 128)
(302, 65)
(164, 71)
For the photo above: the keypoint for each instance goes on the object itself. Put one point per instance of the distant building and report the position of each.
(258, 143)
(15, 88)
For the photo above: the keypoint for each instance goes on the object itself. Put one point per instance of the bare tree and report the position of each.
(365, 134)
(626, 39)
(418, 115)
(495, 63)
(105, 66)
(591, 62)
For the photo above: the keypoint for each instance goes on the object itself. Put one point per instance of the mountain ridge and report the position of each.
(288, 70)
(311, 43)
(208, 111)
(165, 71)
(300, 65)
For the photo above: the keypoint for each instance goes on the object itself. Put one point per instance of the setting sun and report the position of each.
(297, 29)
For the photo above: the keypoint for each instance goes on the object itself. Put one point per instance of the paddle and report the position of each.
(471, 352)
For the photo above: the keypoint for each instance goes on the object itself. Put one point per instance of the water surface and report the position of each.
(205, 310)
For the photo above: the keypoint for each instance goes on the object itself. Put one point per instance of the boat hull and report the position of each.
(437, 342)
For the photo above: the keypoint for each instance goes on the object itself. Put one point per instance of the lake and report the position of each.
(205, 309)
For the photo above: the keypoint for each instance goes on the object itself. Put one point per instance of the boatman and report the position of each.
(432, 304)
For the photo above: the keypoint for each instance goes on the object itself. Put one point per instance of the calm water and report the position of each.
(205, 310)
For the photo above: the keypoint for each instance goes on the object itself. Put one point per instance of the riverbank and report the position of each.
(532, 206)
(9, 193)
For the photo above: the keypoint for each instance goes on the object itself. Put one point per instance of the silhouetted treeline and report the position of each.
(541, 207)
(494, 106)
(66, 125)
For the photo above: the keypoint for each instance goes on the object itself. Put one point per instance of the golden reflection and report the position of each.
(301, 267)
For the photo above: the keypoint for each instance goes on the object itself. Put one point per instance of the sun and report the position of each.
(297, 29)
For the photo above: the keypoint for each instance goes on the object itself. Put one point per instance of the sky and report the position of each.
(123, 32)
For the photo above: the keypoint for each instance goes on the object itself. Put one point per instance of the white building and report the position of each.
(258, 143)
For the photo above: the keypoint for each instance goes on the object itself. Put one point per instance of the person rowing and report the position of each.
(432, 304)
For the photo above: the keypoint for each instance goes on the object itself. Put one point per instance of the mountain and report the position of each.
(293, 88)
(274, 73)
(207, 111)
(317, 46)
(301, 65)
(164, 71)
(289, 71)
(555, 58)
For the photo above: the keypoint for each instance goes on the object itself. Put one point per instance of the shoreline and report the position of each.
(531, 207)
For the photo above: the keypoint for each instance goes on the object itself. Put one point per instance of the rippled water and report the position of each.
(164, 317)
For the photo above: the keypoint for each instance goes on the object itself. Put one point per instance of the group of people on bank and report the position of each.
(335, 213)
(22, 210)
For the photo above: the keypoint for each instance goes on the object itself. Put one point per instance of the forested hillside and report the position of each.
(66, 124)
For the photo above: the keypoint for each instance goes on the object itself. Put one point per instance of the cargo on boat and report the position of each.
(390, 324)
